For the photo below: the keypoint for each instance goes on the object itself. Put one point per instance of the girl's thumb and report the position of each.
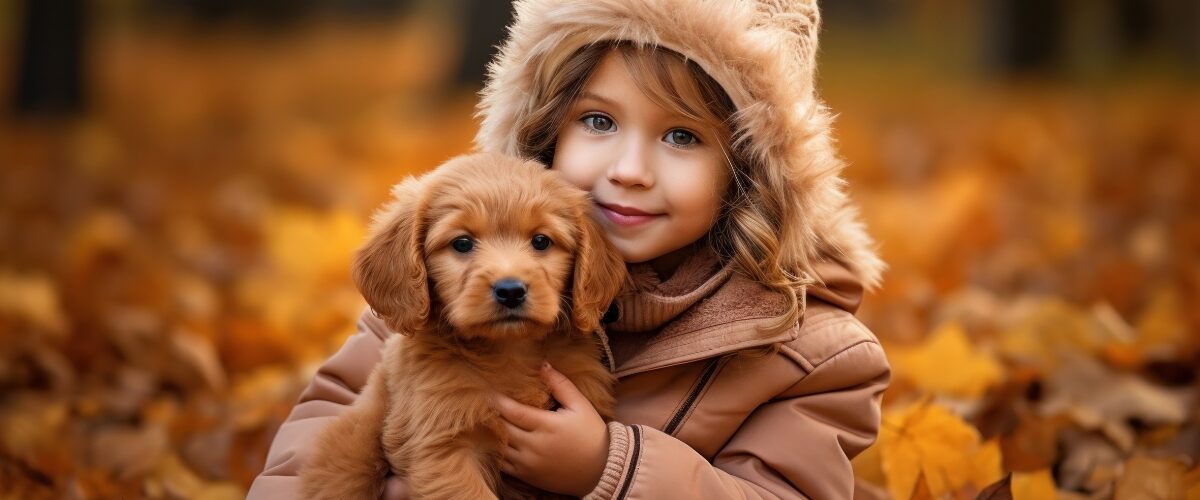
(561, 387)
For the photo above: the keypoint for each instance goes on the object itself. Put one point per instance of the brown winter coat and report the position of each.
(694, 419)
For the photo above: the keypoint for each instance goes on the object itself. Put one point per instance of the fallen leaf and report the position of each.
(128, 452)
(196, 360)
(1035, 485)
(947, 363)
(1124, 396)
(926, 440)
(33, 299)
(1147, 477)
(1090, 462)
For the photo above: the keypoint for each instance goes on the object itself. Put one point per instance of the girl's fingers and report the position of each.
(526, 417)
(562, 389)
(511, 459)
(506, 467)
(517, 437)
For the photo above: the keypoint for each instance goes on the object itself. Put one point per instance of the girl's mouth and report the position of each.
(625, 216)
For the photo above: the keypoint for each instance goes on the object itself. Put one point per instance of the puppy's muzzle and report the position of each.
(509, 292)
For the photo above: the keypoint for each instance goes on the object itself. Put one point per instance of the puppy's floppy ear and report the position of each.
(389, 269)
(599, 274)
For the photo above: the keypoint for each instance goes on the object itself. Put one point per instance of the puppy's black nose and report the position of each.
(509, 293)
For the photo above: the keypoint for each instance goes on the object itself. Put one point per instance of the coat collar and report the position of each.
(705, 309)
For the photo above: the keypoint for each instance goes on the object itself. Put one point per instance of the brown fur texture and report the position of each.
(426, 411)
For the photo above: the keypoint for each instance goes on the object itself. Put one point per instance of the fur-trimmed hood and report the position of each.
(761, 52)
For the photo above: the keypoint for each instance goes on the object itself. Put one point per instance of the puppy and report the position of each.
(487, 266)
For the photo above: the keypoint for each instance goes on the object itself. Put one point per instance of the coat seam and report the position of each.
(822, 363)
(807, 359)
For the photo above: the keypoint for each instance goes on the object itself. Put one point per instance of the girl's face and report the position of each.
(657, 177)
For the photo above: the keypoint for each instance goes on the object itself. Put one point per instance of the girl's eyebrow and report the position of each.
(594, 96)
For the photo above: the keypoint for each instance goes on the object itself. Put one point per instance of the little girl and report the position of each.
(741, 369)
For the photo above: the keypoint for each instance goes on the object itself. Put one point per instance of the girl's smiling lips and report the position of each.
(625, 216)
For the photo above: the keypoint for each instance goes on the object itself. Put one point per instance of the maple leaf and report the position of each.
(927, 440)
(947, 363)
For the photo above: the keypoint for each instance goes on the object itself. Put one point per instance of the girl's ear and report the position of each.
(599, 275)
(389, 269)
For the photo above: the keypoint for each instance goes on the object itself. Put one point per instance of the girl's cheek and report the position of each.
(578, 161)
(573, 176)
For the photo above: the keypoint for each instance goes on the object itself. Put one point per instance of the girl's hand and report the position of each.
(563, 451)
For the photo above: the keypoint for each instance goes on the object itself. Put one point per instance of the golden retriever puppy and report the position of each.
(486, 267)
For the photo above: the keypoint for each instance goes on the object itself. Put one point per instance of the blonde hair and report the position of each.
(746, 233)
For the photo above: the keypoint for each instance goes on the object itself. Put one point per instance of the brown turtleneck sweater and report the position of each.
(702, 308)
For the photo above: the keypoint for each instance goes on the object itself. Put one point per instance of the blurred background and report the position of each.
(183, 182)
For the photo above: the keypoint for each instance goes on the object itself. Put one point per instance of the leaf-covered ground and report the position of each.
(175, 265)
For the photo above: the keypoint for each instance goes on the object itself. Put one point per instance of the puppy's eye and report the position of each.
(541, 242)
(462, 244)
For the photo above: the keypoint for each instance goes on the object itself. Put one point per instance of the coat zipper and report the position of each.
(692, 397)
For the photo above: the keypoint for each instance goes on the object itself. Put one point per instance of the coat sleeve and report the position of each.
(798, 445)
(333, 389)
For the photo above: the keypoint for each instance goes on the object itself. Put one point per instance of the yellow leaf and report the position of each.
(986, 464)
(867, 466)
(1035, 485)
(946, 363)
(33, 299)
(928, 440)
(1042, 328)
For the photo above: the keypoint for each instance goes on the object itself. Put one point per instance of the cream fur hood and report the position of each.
(762, 52)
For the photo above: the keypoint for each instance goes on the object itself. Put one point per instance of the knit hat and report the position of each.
(761, 52)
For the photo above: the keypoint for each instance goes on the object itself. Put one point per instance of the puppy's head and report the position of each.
(490, 245)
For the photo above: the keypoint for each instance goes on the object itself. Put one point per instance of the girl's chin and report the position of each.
(645, 255)
(634, 254)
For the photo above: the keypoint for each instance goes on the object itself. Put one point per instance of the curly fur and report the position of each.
(425, 412)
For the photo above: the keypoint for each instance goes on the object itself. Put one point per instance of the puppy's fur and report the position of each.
(426, 410)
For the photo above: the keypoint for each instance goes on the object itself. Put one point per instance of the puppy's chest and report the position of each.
(509, 369)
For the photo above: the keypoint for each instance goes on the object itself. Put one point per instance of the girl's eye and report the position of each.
(599, 123)
(541, 242)
(462, 244)
(679, 137)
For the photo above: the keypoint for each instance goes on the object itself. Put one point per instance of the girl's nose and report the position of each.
(632, 167)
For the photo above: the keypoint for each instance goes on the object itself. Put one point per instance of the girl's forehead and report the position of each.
(613, 85)
(610, 71)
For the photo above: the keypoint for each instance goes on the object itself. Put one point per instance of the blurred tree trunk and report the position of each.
(483, 30)
(50, 74)
(1026, 35)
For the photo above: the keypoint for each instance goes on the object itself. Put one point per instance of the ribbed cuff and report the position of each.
(618, 458)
